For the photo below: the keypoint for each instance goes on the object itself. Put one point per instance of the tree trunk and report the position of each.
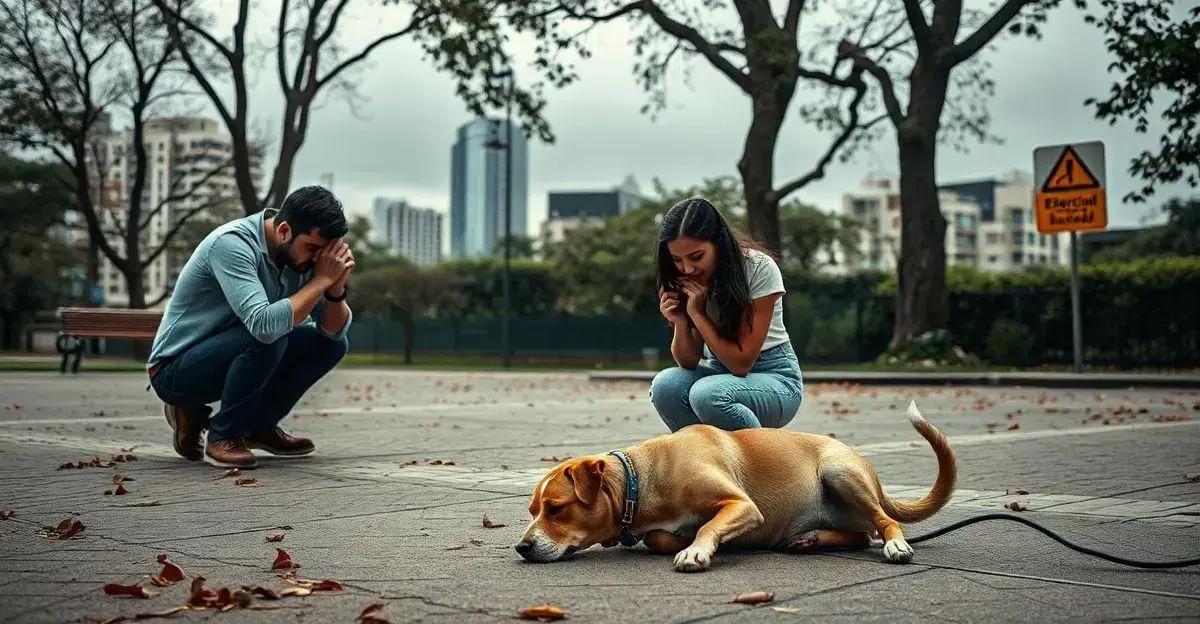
(757, 167)
(243, 158)
(406, 320)
(922, 303)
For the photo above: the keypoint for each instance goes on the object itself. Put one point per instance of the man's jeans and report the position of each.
(256, 383)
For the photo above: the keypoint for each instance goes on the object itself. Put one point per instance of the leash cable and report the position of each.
(1182, 563)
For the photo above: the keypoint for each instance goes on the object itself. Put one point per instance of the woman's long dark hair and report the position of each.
(697, 218)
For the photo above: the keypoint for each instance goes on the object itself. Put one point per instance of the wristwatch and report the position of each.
(345, 291)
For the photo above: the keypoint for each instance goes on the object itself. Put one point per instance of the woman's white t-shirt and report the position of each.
(764, 278)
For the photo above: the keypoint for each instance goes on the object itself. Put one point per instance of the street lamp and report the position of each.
(505, 330)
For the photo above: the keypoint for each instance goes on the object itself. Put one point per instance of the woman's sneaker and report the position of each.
(280, 442)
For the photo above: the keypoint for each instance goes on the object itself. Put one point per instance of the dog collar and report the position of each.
(629, 510)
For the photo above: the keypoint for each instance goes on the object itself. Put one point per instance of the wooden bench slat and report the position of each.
(110, 322)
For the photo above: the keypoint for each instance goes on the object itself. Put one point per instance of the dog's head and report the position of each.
(572, 509)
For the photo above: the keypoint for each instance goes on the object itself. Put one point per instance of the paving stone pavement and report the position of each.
(1105, 468)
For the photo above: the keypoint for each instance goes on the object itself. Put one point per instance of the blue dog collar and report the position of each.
(629, 510)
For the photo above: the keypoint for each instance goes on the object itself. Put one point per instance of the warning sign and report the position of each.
(1070, 194)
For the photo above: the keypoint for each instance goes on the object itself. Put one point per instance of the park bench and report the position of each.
(118, 323)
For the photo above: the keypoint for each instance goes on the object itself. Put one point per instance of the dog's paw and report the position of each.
(897, 551)
(692, 560)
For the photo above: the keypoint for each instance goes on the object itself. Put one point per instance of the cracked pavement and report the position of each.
(1103, 468)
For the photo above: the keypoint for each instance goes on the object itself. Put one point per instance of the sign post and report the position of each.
(1071, 197)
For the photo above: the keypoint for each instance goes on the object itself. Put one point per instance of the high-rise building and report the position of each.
(990, 225)
(404, 230)
(189, 176)
(571, 209)
(477, 187)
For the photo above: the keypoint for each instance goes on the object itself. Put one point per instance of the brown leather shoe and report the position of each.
(280, 442)
(231, 453)
(187, 423)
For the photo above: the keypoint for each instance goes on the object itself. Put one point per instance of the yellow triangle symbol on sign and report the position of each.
(1069, 174)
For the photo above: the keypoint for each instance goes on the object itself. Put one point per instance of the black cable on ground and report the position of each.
(1183, 563)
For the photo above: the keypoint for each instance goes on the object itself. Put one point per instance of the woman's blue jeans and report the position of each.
(769, 396)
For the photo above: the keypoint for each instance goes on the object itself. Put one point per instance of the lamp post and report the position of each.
(506, 323)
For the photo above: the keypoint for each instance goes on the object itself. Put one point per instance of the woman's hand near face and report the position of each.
(697, 295)
(668, 304)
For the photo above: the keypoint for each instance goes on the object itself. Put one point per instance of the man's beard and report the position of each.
(285, 254)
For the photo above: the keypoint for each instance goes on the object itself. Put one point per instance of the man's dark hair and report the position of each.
(311, 207)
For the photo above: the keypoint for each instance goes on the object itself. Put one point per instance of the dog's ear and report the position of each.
(587, 476)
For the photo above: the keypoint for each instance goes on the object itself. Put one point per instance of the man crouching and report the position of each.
(258, 315)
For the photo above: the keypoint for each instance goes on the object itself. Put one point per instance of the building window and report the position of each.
(1030, 238)
(861, 206)
(1016, 238)
(992, 259)
(1016, 258)
(993, 238)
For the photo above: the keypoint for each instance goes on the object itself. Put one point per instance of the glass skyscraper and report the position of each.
(477, 187)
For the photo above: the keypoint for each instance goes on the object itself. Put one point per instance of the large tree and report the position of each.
(1156, 57)
(466, 39)
(759, 51)
(68, 68)
(913, 80)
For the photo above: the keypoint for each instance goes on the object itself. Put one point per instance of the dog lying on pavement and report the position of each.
(691, 491)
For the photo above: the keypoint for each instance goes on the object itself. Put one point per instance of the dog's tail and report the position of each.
(943, 486)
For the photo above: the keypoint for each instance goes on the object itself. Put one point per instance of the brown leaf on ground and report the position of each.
(170, 571)
(247, 482)
(66, 529)
(282, 560)
(232, 472)
(262, 592)
(119, 478)
(373, 614)
(545, 612)
(556, 459)
(1015, 506)
(753, 598)
(124, 457)
(275, 537)
(1191, 476)
(5, 514)
(295, 591)
(315, 585)
(120, 490)
(1018, 492)
(137, 591)
(1169, 417)
(488, 524)
(1014, 426)
(159, 581)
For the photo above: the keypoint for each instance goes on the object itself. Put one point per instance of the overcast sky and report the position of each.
(399, 146)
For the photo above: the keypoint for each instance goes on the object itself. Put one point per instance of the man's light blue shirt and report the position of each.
(231, 279)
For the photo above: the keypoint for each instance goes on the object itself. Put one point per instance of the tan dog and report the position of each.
(760, 488)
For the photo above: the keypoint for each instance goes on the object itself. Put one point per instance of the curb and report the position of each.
(1042, 380)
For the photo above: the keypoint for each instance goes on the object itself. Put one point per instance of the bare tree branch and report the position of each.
(985, 33)
(881, 75)
(916, 19)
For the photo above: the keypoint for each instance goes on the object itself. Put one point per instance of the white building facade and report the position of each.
(405, 230)
(990, 225)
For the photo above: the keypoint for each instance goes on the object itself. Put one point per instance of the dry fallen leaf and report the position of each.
(488, 524)
(159, 581)
(373, 614)
(1019, 492)
(556, 459)
(137, 591)
(263, 592)
(1191, 476)
(66, 529)
(321, 585)
(232, 472)
(247, 482)
(5, 514)
(295, 591)
(170, 571)
(785, 609)
(282, 560)
(1014, 426)
(275, 537)
(752, 598)
(545, 612)
(1015, 506)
